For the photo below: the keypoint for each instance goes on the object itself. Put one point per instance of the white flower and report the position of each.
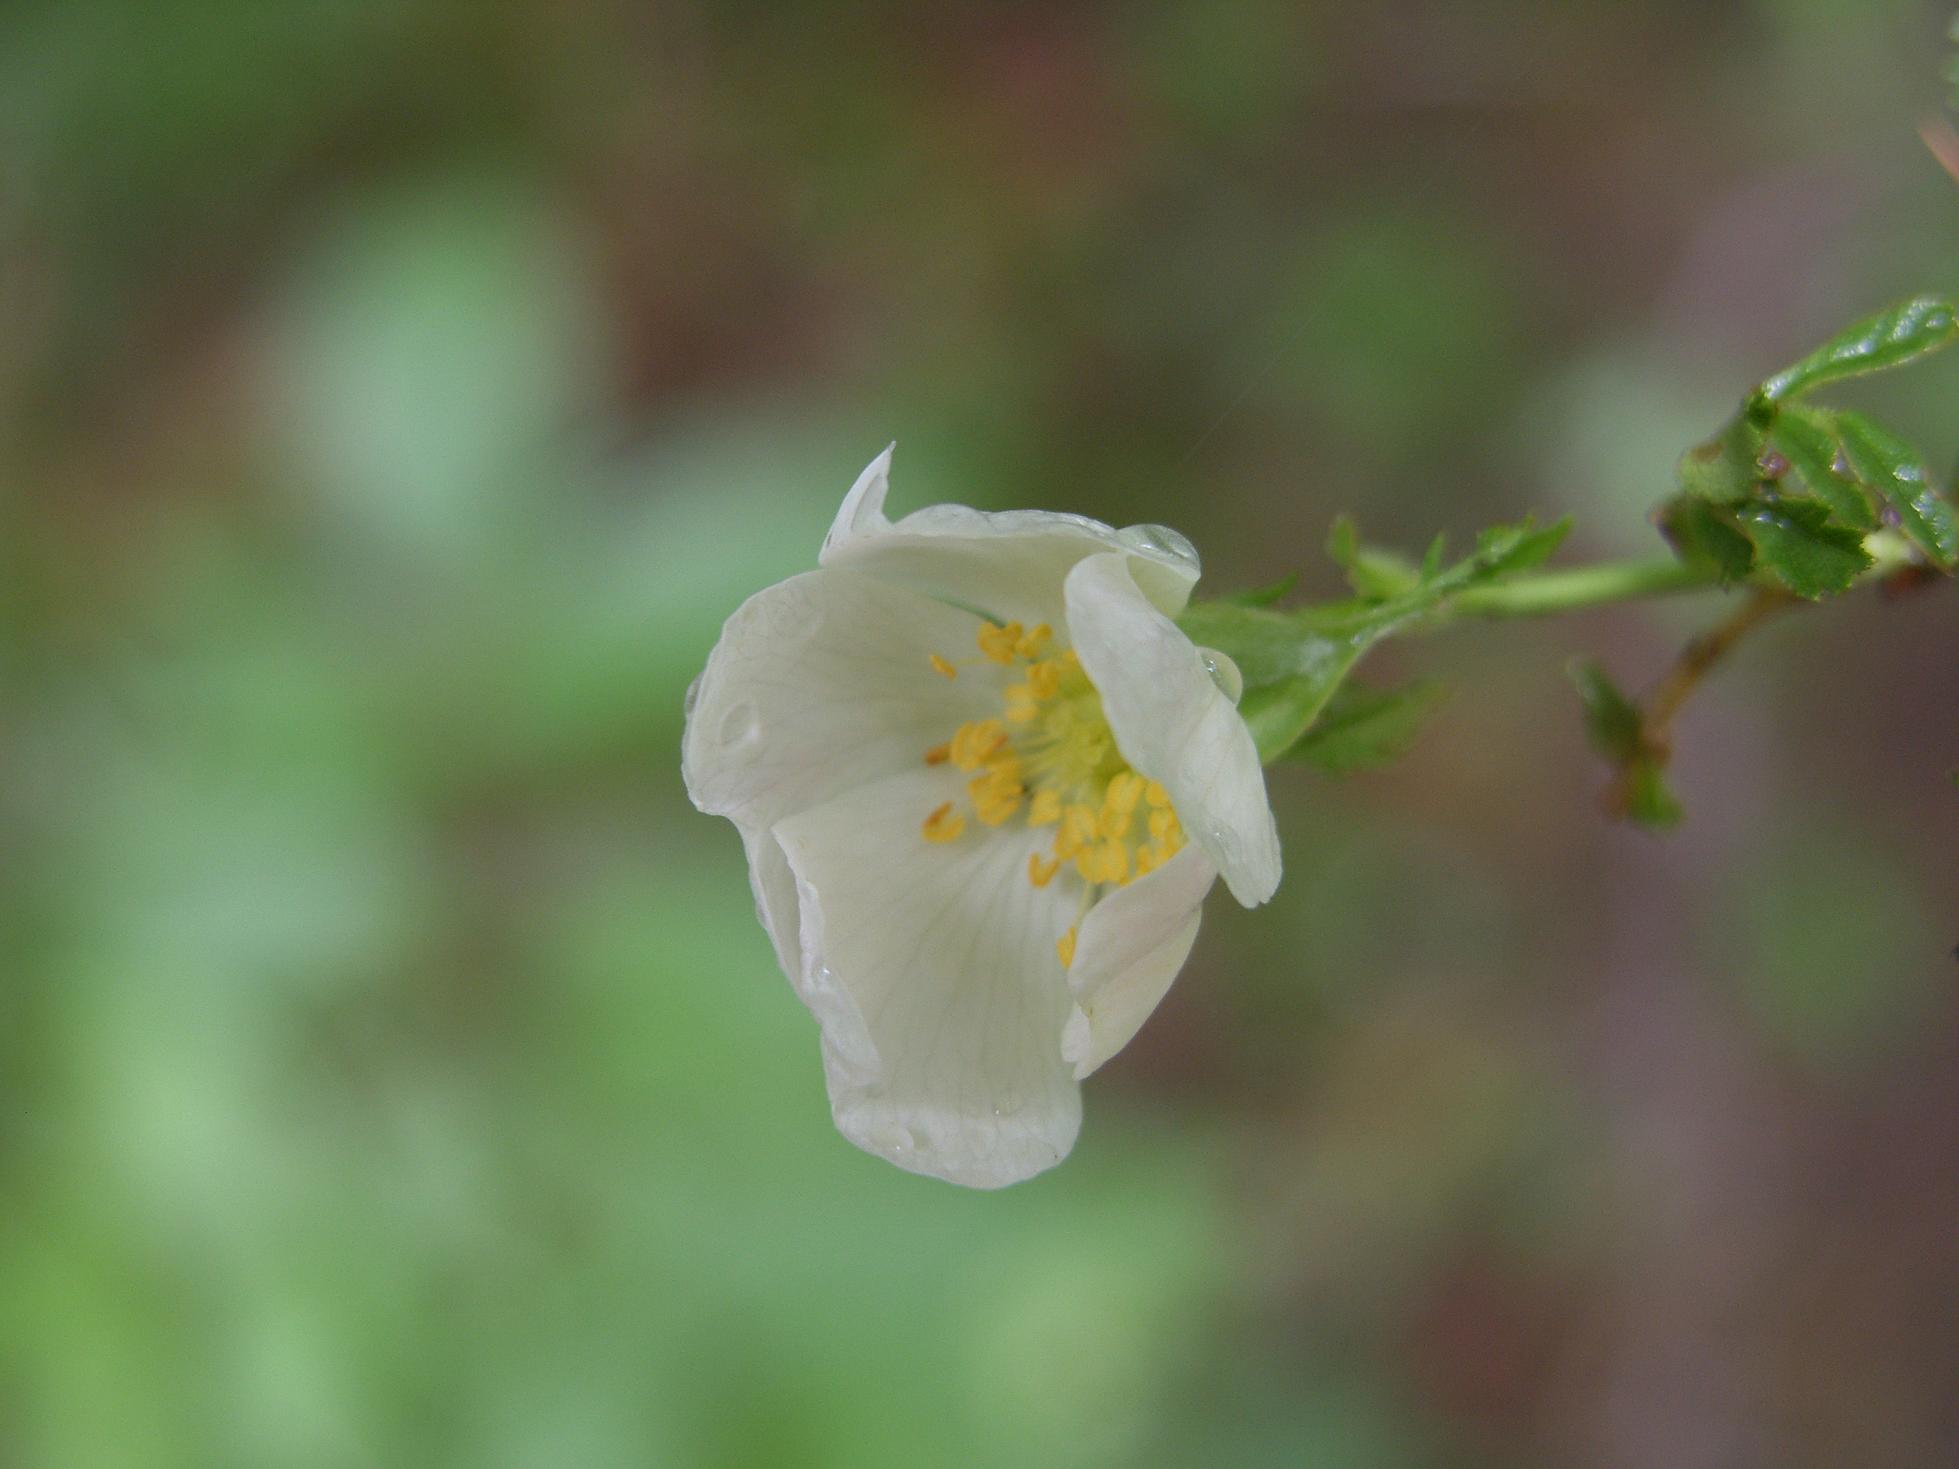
(984, 783)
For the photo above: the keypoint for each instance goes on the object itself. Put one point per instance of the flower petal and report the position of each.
(818, 683)
(949, 1062)
(1174, 724)
(1008, 564)
(1131, 947)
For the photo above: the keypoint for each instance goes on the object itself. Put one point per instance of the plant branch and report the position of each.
(1699, 657)
(1544, 594)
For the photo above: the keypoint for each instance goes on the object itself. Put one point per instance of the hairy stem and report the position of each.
(1547, 593)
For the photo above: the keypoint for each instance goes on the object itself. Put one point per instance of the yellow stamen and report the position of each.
(1124, 792)
(996, 794)
(997, 643)
(972, 743)
(944, 824)
(1077, 831)
(1065, 947)
(1048, 750)
(1112, 862)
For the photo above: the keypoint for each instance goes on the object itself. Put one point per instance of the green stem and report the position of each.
(1552, 592)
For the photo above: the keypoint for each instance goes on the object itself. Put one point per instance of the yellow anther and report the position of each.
(997, 643)
(1077, 831)
(1048, 750)
(1103, 862)
(996, 794)
(1124, 792)
(1112, 862)
(973, 743)
(1065, 947)
(944, 824)
(943, 667)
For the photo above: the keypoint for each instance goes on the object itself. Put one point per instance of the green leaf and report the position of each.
(1617, 730)
(1277, 714)
(1612, 721)
(1268, 645)
(1373, 572)
(1292, 662)
(1705, 534)
(1505, 550)
(1889, 339)
(1807, 440)
(1797, 541)
(1649, 800)
(1727, 466)
(1888, 465)
(1343, 540)
(1432, 557)
(1380, 575)
(1362, 728)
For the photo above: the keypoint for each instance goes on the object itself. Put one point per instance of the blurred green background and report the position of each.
(394, 398)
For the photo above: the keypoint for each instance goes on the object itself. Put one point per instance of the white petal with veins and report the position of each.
(1174, 724)
(1132, 944)
(1008, 564)
(946, 956)
(817, 684)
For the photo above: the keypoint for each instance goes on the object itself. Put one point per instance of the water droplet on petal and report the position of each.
(1160, 542)
(1224, 672)
(740, 724)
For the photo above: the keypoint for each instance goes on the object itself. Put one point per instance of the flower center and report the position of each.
(1051, 753)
